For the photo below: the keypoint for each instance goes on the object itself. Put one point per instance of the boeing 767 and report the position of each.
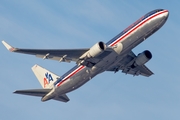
(112, 56)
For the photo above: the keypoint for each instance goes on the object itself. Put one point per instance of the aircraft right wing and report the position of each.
(62, 55)
(42, 93)
(126, 68)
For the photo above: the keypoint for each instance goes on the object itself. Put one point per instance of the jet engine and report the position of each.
(142, 58)
(96, 50)
(88, 58)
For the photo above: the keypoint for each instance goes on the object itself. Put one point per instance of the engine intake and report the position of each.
(142, 58)
(96, 50)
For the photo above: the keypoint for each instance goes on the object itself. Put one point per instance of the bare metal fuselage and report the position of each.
(134, 37)
(114, 55)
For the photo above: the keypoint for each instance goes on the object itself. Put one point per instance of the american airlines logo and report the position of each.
(48, 78)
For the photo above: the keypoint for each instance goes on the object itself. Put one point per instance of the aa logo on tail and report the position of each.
(48, 78)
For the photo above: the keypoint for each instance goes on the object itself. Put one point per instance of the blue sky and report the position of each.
(80, 24)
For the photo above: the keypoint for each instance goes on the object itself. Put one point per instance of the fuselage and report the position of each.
(128, 38)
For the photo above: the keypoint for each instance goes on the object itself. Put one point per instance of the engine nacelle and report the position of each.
(96, 50)
(142, 58)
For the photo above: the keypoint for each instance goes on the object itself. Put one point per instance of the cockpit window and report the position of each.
(152, 12)
(158, 10)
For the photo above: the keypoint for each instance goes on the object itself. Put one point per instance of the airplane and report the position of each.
(112, 56)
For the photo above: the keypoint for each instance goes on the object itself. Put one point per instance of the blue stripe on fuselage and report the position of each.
(132, 26)
(112, 41)
(66, 74)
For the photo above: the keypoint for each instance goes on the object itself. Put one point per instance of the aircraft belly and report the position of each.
(77, 80)
(85, 75)
(132, 40)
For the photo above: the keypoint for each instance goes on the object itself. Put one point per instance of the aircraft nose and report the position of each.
(166, 14)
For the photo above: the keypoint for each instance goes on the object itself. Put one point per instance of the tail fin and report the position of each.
(45, 77)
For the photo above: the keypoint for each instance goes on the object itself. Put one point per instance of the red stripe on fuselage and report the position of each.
(115, 42)
(71, 74)
(137, 26)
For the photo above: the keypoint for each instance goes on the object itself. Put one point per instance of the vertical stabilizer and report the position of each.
(45, 77)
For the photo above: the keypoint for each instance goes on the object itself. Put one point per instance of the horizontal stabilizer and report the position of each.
(34, 92)
(62, 98)
(42, 93)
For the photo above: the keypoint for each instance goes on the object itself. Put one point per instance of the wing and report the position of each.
(126, 63)
(41, 93)
(62, 55)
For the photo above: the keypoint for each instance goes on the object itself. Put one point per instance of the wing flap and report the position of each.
(145, 71)
(62, 55)
(140, 70)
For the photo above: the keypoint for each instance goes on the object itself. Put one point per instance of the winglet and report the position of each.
(9, 47)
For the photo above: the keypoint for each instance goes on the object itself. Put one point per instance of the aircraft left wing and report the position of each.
(42, 93)
(126, 63)
(62, 55)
